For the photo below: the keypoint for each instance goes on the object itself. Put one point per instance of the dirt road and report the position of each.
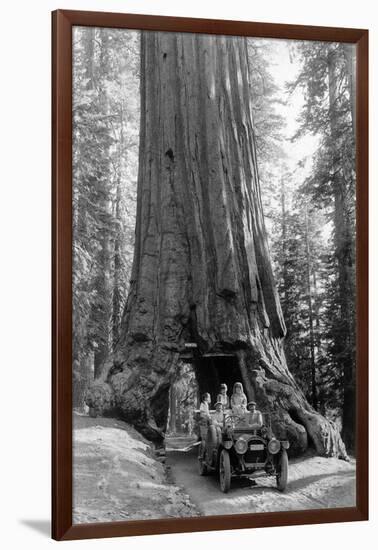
(116, 475)
(314, 482)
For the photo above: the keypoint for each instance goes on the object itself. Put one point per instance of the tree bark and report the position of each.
(314, 397)
(202, 271)
(117, 293)
(172, 408)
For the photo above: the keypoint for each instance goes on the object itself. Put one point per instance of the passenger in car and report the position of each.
(254, 417)
(223, 397)
(204, 416)
(218, 415)
(217, 421)
(238, 400)
(204, 406)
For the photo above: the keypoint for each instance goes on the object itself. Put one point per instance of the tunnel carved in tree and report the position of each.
(202, 271)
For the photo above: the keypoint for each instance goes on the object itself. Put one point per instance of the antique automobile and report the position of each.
(238, 451)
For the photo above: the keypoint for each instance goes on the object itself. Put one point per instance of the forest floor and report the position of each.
(117, 477)
(314, 482)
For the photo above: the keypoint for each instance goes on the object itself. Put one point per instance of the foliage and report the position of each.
(312, 222)
(105, 149)
(268, 122)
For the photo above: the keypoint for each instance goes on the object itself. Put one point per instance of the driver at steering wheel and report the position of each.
(253, 417)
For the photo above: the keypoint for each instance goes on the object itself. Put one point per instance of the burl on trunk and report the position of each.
(202, 271)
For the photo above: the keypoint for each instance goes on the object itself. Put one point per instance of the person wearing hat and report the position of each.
(204, 406)
(223, 397)
(218, 415)
(216, 423)
(254, 417)
(204, 415)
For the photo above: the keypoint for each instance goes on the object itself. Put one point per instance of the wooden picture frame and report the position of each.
(62, 23)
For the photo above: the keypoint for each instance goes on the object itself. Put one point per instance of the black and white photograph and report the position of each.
(214, 275)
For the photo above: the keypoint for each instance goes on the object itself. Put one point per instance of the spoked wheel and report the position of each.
(202, 468)
(224, 471)
(283, 470)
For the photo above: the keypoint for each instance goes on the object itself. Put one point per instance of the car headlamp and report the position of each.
(241, 446)
(274, 446)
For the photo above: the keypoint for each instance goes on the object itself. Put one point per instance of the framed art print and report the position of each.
(210, 206)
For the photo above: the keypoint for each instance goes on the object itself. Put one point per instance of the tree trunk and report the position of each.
(282, 259)
(117, 292)
(202, 271)
(314, 397)
(172, 408)
(178, 414)
(318, 337)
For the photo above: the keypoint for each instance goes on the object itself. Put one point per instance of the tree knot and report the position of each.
(170, 154)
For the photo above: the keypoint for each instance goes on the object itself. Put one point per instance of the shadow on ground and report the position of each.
(302, 483)
(42, 526)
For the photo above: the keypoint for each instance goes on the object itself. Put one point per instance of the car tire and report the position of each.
(224, 471)
(202, 468)
(283, 472)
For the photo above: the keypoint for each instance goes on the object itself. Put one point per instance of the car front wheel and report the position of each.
(283, 470)
(224, 471)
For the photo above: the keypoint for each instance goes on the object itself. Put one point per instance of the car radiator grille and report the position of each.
(258, 456)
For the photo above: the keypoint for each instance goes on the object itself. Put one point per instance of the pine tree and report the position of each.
(104, 192)
(327, 79)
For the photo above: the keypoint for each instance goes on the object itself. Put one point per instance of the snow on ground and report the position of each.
(116, 476)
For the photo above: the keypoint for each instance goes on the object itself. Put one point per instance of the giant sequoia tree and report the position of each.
(201, 271)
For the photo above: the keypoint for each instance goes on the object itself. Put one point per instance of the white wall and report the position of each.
(25, 267)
